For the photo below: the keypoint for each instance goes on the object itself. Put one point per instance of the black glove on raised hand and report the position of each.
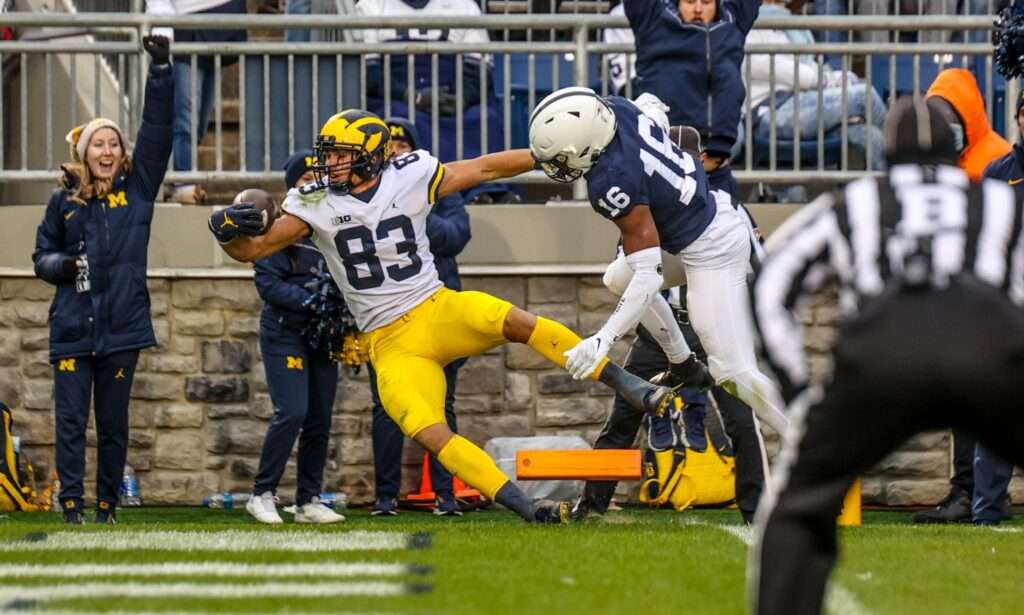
(158, 47)
(240, 219)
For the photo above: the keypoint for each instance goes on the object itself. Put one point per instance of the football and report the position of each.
(263, 202)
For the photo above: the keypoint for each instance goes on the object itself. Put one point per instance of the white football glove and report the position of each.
(653, 107)
(583, 358)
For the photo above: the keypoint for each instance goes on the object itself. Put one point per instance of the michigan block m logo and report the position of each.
(116, 200)
(294, 363)
(66, 365)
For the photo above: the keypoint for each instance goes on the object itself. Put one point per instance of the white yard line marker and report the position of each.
(229, 540)
(333, 570)
(1007, 530)
(76, 591)
(838, 600)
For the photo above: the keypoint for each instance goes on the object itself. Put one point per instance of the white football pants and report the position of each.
(714, 268)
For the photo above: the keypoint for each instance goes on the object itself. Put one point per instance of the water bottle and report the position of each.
(130, 487)
(226, 500)
(334, 501)
(55, 494)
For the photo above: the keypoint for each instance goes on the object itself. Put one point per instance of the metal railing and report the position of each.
(317, 79)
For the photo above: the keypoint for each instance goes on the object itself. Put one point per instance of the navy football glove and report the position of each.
(158, 47)
(240, 219)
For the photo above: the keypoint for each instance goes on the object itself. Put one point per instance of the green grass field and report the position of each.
(490, 562)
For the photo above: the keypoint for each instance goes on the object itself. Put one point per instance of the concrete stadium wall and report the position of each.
(200, 404)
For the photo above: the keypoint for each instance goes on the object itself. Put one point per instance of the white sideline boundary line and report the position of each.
(209, 569)
(229, 540)
(75, 591)
(838, 600)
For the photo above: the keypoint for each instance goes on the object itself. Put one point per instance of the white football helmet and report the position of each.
(568, 131)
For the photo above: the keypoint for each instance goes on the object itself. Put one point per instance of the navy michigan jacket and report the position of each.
(285, 280)
(448, 231)
(113, 232)
(692, 67)
(1009, 168)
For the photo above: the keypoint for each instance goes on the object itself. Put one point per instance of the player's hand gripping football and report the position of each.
(158, 47)
(238, 219)
(583, 358)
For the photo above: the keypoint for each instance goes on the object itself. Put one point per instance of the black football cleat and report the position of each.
(662, 401)
(954, 508)
(73, 517)
(549, 511)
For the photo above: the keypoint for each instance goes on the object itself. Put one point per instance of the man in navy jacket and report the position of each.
(689, 54)
(302, 380)
(990, 501)
(448, 230)
(92, 245)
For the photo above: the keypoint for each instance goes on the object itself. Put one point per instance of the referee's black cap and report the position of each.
(918, 132)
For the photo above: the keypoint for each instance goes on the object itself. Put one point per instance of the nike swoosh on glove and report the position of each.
(583, 358)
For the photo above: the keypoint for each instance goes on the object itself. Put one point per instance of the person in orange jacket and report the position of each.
(979, 144)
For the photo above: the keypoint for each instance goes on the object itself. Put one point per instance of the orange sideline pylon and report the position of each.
(426, 492)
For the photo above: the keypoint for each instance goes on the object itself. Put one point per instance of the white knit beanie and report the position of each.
(80, 136)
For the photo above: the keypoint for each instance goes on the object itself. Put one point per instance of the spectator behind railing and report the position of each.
(689, 55)
(288, 81)
(203, 77)
(978, 144)
(801, 89)
(425, 93)
(894, 8)
(421, 79)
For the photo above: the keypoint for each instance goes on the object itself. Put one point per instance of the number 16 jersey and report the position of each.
(641, 166)
(377, 250)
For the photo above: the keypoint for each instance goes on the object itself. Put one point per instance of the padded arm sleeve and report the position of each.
(646, 282)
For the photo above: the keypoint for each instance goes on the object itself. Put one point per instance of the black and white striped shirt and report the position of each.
(920, 227)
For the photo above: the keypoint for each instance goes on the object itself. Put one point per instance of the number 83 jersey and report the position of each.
(375, 244)
(641, 166)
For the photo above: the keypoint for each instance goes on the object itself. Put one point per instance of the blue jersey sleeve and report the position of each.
(614, 194)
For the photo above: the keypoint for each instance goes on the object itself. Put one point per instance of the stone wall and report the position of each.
(200, 404)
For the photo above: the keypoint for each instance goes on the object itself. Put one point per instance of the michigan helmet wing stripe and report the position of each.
(435, 183)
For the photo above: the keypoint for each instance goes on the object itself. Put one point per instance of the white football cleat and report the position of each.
(264, 508)
(316, 512)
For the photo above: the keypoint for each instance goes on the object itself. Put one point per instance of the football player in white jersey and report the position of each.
(367, 215)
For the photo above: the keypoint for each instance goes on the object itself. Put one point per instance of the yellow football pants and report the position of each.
(409, 354)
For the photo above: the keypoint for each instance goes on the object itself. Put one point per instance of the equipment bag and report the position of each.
(682, 476)
(15, 494)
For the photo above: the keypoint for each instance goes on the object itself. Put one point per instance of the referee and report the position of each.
(930, 268)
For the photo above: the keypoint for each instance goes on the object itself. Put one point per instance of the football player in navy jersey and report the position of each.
(672, 230)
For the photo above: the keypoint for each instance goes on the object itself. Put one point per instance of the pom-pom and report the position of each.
(1008, 40)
